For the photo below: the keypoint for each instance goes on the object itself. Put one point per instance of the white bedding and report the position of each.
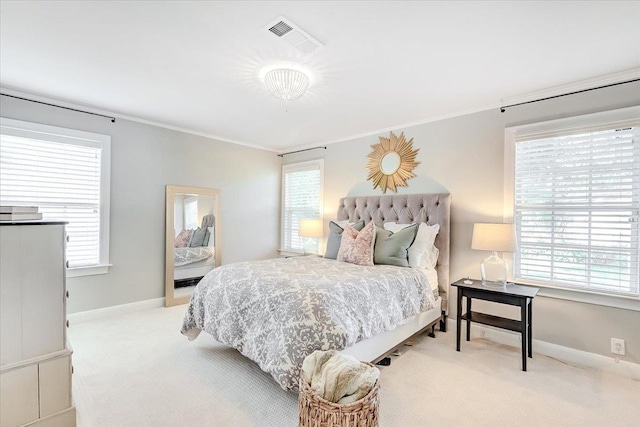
(432, 278)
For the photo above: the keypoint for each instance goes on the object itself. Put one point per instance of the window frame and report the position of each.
(187, 200)
(292, 167)
(32, 130)
(624, 117)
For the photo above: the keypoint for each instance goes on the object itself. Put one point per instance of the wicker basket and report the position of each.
(318, 412)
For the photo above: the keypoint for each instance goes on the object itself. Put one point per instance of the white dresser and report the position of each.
(35, 359)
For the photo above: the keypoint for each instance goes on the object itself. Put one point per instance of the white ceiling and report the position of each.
(195, 65)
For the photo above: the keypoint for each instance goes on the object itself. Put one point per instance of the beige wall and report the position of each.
(144, 159)
(465, 156)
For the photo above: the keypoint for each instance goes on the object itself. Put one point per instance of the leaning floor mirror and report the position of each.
(192, 239)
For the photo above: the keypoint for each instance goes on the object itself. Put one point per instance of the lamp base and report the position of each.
(494, 271)
(493, 285)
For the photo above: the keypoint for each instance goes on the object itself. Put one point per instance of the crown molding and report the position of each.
(64, 103)
(607, 79)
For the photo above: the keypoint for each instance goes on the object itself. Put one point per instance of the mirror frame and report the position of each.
(404, 150)
(170, 193)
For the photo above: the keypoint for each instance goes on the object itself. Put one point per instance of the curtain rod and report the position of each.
(113, 119)
(502, 109)
(300, 151)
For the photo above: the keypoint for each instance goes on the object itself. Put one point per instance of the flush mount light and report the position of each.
(286, 83)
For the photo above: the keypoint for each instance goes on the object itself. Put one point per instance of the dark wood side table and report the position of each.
(512, 294)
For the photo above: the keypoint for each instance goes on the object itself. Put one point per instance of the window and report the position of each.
(301, 199)
(66, 174)
(576, 202)
(191, 213)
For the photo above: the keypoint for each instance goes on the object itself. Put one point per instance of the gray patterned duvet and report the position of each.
(278, 311)
(186, 256)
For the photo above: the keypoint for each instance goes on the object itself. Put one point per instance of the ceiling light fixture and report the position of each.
(286, 83)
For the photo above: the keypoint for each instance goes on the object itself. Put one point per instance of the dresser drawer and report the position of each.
(55, 385)
(19, 391)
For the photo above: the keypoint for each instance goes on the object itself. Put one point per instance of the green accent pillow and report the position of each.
(392, 248)
(197, 238)
(335, 237)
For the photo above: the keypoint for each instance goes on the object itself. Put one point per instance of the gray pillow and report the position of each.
(335, 237)
(391, 248)
(197, 238)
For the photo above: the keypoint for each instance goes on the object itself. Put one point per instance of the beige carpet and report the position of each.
(137, 370)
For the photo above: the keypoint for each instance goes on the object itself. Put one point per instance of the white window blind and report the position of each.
(191, 213)
(302, 199)
(576, 206)
(62, 176)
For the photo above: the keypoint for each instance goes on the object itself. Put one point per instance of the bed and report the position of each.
(191, 263)
(276, 312)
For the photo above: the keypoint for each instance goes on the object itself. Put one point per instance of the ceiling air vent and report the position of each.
(280, 29)
(295, 36)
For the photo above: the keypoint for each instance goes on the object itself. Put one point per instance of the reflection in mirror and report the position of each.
(390, 163)
(192, 239)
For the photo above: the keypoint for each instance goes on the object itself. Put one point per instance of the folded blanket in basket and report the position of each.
(337, 377)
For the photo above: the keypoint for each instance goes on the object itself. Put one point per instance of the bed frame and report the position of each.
(405, 209)
(190, 275)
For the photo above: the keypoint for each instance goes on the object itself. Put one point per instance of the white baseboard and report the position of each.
(101, 313)
(565, 354)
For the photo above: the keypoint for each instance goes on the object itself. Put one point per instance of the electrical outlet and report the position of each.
(617, 346)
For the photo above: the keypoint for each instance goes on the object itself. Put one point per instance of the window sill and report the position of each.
(88, 271)
(586, 297)
(290, 252)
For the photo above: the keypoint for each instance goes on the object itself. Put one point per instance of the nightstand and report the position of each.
(512, 294)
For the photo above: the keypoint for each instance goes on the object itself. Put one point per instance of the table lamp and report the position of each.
(310, 228)
(495, 238)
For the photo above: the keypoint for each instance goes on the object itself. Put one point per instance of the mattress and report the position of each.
(202, 262)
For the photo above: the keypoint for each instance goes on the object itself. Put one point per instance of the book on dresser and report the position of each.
(35, 357)
(18, 209)
(20, 216)
(19, 213)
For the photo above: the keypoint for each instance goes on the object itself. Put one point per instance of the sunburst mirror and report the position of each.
(391, 162)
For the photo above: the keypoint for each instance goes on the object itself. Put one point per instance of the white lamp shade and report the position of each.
(494, 237)
(310, 228)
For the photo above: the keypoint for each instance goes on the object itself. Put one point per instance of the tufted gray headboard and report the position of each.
(208, 221)
(404, 209)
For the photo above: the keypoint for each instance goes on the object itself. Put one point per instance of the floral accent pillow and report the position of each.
(182, 239)
(356, 246)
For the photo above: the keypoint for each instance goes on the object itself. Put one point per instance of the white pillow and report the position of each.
(422, 253)
(431, 257)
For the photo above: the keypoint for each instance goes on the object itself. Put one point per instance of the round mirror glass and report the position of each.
(390, 163)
